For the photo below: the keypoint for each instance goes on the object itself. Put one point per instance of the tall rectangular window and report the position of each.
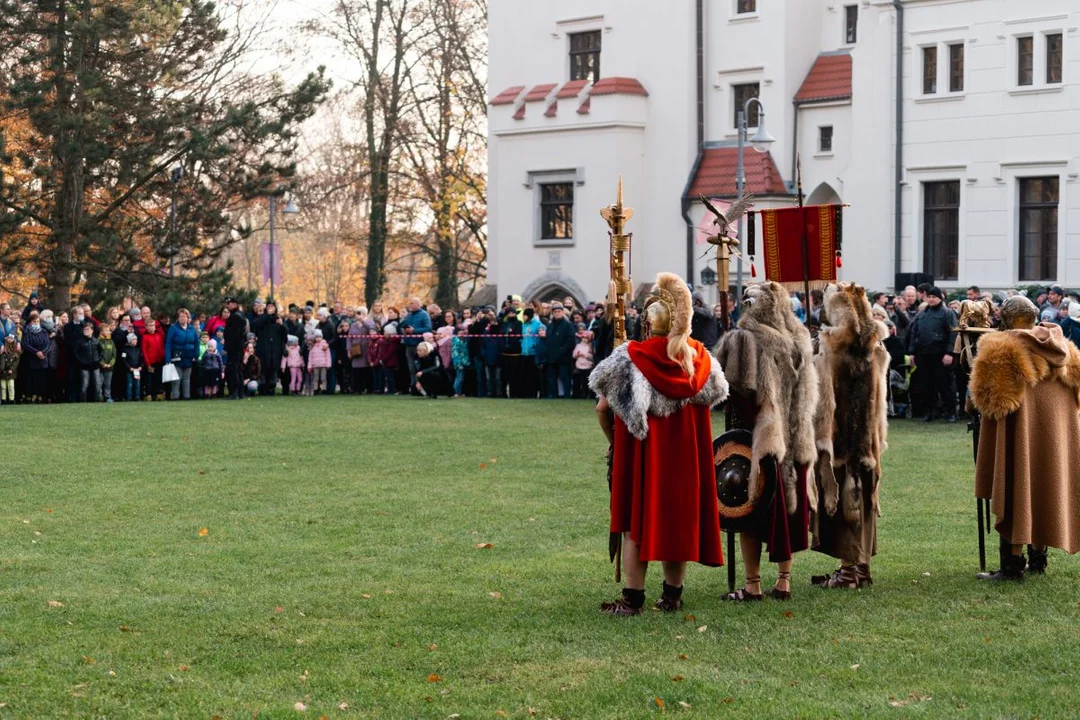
(1053, 58)
(956, 68)
(742, 93)
(825, 139)
(929, 70)
(745, 6)
(557, 211)
(1025, 61)
(1038, 228)
(585, 56)
(851, 23)
(941, 229)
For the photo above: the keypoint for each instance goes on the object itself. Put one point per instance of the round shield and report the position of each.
(732, 462)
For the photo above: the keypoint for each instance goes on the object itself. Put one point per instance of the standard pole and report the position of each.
(740, 183)
(273, 212)
(172, 235)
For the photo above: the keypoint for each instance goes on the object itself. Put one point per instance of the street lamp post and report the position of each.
(290, 209)
(761, 142)
(177, 175)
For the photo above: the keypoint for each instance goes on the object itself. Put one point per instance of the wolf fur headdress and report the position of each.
(851, 420)
(770, 356)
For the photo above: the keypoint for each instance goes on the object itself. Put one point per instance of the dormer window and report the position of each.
(585, 56)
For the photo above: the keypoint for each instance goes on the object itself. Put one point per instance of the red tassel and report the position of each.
(753, 270)
(839, 261)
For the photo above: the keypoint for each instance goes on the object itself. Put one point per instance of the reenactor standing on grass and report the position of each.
(1026, 385)
(655, 399)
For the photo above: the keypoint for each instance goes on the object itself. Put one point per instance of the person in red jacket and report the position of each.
(386, 369)
(655, 399)
(153, 352)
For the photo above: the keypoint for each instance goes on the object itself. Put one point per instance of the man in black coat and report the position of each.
(236, 332)
(703, 325)
(930, 340)
(560, 353)
(269, 329)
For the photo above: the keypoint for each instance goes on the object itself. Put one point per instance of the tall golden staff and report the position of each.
(620, 286)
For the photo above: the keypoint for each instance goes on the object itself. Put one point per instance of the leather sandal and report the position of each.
(741, 595)
(862, 570)
(822, 579)
(846, 578)
(778, 594)
(619, 608)
(670, 600)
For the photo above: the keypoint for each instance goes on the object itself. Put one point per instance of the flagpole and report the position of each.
(805, 247)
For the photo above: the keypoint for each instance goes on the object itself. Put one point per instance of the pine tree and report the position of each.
(117, 94)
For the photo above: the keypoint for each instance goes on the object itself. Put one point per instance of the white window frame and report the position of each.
(843, 25)
(944, 68)
(533, 180)
(1038, 33)
(916, 179)
(732, 105)
(737, 16)
(821, 152)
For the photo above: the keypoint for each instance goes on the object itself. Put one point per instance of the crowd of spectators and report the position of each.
(516, 350)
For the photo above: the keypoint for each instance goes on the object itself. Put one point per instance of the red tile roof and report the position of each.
(618, 86)
(829, 79)
(716, 174)
(571, 89)
(539, 92)
(508, 96)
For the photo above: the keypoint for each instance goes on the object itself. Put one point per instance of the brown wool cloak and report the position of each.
(1026, 384)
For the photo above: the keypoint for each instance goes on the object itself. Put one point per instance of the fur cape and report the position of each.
(851, 420)
(770, 357)
(633, 399)
(1005, 368)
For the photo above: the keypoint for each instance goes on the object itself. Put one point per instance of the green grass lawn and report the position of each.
(339, 569)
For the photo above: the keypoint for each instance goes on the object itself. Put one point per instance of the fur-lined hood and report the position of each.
(633, 399)
(1011, 361)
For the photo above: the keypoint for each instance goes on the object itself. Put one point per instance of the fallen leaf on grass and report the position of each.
(703, 628)
(55, 603)
(202, 472)
(684, 657)
(912, 698)
(323, 717)
(531, 711)
(483, 466)
(788, 614)
(484, 546)
(125, 628)
(365, 596)
(300, 707)
(278, 610)
(684, 705)
(48, 510)
(88, 660)
(729, 700)
(690, 618)
(455, 716)
(659, 703)
(388, 591)
(500, 713)
(111, 673)
(203, 532)
(184, 668)
(432, 647)
(855, 666)
(677, 678)
(497, 595)
(343, 706)
(304, 676)
(433, 678)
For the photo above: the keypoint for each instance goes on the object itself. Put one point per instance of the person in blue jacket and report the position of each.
(182, 350)
(413, 326)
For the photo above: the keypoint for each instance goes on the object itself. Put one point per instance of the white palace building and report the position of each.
(966, 168)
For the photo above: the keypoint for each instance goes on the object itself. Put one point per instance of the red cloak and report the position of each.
(663, 489)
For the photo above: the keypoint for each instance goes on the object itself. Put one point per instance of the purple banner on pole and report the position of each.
(266, 263)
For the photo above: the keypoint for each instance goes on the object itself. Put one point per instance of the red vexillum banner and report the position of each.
(782, 232)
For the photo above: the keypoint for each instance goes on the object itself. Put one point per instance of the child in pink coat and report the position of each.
(319, 362)
(293, 361)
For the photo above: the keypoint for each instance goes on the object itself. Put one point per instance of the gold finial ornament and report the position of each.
(620, 286)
